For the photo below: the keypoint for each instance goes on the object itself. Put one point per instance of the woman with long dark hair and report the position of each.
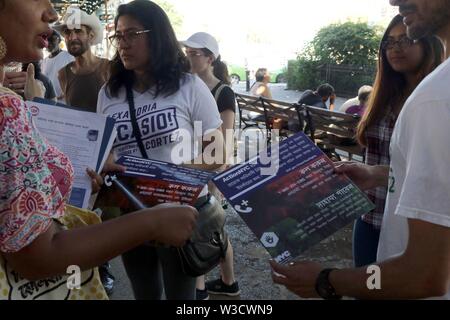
(402, 65)
(162, 111)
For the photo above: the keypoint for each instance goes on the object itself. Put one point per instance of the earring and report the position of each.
(3, 48)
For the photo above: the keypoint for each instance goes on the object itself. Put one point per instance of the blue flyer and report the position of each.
(290, 197)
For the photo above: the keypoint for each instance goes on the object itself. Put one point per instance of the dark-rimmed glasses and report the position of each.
(402, 43)
(128, 36)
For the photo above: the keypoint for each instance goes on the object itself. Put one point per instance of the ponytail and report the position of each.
(221, 71)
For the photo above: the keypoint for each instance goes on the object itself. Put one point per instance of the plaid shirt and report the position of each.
(378, 139)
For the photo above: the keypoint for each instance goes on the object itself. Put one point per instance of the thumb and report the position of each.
(343, 166)
(279, 268)
(30, 72)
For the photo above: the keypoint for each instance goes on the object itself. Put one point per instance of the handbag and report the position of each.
(209, 241)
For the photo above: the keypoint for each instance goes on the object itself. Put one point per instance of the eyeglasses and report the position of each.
(128, 36)
(193, 53)
(402, 43)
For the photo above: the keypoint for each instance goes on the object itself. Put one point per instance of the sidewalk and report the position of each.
(279, 92)
(251, 263)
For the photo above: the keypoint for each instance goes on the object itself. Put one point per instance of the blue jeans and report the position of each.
(365, 243)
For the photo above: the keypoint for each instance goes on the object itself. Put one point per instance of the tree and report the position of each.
(351, 43)
(345, 46)
(174, 16)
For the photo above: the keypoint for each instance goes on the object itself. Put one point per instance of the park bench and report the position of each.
(333, 131)
(330, 130)
(267, 110)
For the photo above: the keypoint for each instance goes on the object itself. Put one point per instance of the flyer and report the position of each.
(147, 183)
(298, 204)
(85, 137)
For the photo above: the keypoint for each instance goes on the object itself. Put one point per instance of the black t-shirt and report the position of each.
(49, 90)
(226, 99)
(312, 99)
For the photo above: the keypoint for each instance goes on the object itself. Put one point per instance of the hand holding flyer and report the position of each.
(86, 138)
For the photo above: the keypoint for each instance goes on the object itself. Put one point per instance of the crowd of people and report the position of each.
(404, 129)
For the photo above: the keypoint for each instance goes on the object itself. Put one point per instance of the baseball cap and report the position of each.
(202, 40)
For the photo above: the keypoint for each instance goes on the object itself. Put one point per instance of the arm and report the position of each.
(205, 112)
(62, 83)
(53, 251)
(422, 271)
(332, 99)
(228, 118)
(268, 93)
(264, 91)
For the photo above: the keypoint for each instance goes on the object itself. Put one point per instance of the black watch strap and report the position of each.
(324, 287)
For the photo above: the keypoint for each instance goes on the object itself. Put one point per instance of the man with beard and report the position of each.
(414, 250)
(57, 60)
(82, 79)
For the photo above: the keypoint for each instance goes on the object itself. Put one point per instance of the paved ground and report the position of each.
(279, 92)
(251, 259)
(251, 263)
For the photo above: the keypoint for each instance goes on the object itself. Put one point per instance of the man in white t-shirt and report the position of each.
(414, 248)
(57, 60)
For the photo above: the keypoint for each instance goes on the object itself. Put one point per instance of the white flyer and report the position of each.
(85, 137)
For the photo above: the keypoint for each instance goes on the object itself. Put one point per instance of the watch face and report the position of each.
(323, 291)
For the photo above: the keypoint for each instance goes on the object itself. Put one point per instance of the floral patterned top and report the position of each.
(35, 178)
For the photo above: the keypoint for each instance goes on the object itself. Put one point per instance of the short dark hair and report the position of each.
(56, 34)
(325, 90)
(364, 95)
(260, 74)
(168, 63)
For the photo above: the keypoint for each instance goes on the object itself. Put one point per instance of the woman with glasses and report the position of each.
(202, 51)
(174, 110)
(402, 64)
(42, 239)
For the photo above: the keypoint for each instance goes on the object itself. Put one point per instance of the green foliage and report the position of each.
(302, 74)
(174, 16)
(349, 44)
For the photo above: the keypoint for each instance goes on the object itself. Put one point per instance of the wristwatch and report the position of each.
(324, 287)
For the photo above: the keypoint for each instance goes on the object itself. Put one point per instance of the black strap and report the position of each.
(136, 131)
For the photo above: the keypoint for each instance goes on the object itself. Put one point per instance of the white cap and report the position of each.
(202, 40)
